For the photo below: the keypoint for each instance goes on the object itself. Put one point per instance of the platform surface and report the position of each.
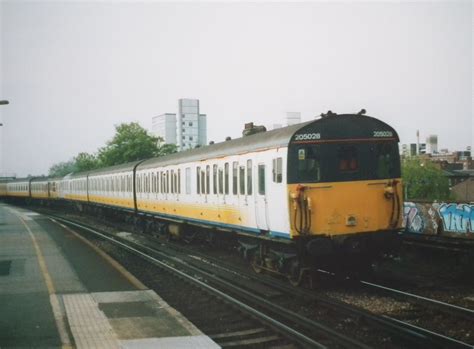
(57, 290)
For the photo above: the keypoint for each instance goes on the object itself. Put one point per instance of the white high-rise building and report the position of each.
(192, 126)
(164, 126)
(187, 129)
(432, 144)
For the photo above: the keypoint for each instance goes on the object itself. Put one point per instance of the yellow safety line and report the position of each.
(116, 265)
(60, 325)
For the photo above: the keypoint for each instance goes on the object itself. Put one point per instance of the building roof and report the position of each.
(459, 173)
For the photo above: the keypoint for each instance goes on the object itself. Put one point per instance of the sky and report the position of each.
(73, 70)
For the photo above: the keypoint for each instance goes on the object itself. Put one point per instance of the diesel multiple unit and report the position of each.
(292, 196)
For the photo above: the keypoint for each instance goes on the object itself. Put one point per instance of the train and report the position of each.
(292, 198)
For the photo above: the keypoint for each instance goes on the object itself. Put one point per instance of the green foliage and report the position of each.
(86, 162)
(131, 143)
(61, 169)
(166, 149)
(424, 181)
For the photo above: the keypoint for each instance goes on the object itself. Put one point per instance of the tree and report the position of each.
(424, 181)
(165, 149)
(130, 143)
(86, 162)
(61, 169)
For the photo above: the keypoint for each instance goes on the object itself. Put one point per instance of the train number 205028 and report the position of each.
(383, 134)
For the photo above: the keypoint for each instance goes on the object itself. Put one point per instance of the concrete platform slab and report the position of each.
(56, 290)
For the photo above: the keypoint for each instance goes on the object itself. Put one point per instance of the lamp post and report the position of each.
(2, 102)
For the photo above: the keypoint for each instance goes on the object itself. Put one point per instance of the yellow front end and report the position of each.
(345, 208)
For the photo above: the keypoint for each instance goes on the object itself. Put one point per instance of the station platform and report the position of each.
(59, 290)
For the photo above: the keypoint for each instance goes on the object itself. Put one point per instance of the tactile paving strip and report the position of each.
(88, 323)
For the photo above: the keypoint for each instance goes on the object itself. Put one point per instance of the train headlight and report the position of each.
(351, 221)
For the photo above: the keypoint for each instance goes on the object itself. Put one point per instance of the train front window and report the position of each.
(384, 157)
(341, 162)
(348, 159)
(309, 164)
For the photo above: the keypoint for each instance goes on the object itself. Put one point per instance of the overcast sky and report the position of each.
(73, 70)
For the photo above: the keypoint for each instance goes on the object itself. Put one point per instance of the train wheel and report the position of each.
(257, 263)
(295, 275)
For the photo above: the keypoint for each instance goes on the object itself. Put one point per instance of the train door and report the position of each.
(261, 208)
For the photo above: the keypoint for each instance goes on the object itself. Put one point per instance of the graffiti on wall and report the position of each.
(451, 219)
(412, 220)
(457, 218)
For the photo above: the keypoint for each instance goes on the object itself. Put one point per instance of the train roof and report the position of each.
(256, 142)
(334, 127)
(41, 179)
(19, 180)
(345, 127)
(117, 168)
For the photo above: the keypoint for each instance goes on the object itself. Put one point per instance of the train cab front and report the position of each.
(344, 187)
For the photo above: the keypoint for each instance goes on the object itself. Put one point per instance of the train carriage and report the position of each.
(3, 187)
(40, 188)
(232, 185)
(113, 186)
(54, 185)
(74, 187)
(19, 188)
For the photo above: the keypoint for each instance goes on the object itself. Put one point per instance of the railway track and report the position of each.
(269, 322)
(444, 307)
(219, 280)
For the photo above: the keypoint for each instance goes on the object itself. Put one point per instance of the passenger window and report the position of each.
(163, 189)
(277, 170)
(172, 182)
(208, 179)
(198, 180)
(249, 177)
(203, 182)
(178, 185)
(261, 179)
(226, 178)
(242, 180)
(214, 179)
(234, 178)
(188, 180)
(157, 179)
(221, 180)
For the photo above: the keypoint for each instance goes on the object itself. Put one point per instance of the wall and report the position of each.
(442, 219)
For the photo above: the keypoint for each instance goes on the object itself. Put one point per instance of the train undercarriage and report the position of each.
(296, 260)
